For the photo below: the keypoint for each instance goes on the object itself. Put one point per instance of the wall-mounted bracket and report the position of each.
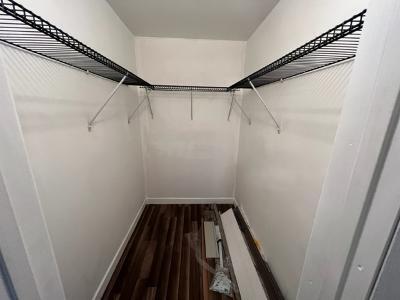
(231, 105)
(92, 121)
(136, 109)
(266, 107)
(149, 103)
(146, 97)
(241, 108)
(191, 105)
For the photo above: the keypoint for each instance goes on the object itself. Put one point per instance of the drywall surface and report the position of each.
(359, 202)
(280, 177)
(91, 185)
(187, 158)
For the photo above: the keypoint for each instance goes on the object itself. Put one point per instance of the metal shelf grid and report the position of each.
(22, 28)
(189, 88)
(336, 45)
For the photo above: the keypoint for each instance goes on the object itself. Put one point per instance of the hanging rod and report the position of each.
(336, 45)
(22, 28)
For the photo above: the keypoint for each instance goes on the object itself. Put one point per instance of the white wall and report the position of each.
(24, 238)
(91, 185)
(359, 202)
(184, 158)
(280, 176)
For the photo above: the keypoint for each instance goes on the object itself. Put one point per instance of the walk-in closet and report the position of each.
(199, 150)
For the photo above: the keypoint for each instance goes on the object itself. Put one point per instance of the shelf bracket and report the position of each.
(231, 105)
(149, 103)
(233, 101)
(135, 110)
(146, 97)
(191, 105)
(266, 107)
(92, 120)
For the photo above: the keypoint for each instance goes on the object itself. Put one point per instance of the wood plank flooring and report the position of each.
(165, 257)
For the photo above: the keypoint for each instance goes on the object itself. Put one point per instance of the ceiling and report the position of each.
(197, 19)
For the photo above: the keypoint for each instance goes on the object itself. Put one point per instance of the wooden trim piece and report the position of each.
(227, 254)
(264, 272)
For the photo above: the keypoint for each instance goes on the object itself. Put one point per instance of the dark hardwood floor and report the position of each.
(165, 257)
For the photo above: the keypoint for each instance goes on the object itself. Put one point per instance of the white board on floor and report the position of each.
(249, 283)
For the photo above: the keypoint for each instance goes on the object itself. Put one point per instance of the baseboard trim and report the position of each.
(110, 270)
(173, 200)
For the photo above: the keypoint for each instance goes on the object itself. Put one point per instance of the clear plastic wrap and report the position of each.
(221, 282)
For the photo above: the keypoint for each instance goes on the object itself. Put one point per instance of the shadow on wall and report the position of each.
(294, 100)
(50, 96)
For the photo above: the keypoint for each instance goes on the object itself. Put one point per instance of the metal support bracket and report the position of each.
(191, 105)
(266, 107)
(241, 109)
(92, 120)
(149, 103)
(146, 97)
(136, 109)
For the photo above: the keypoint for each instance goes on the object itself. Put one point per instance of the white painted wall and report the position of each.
(24, 237)
(184, 158)
(359, 202)
(280, 177)
(91, 185)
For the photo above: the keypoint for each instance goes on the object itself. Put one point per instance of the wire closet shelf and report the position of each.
(22, 28)
(336, 45)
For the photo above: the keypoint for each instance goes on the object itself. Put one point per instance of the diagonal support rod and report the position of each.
(91, 122)
(149, 103)
(231, 105)
(266, 107)
(241, 108)
(136, 109)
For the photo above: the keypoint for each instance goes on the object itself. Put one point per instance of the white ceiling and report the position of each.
(199, 19)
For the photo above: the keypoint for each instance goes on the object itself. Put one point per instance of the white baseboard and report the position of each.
(110, 270)
(174, 200)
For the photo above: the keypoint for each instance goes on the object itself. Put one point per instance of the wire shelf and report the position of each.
(336, 45)
(190, 88)
(22, 28)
